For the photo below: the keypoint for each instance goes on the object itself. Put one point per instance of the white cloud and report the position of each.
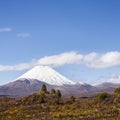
(109, 59)
(91, 60)
(18, 67)
(23, 35)
(6, 29)
(61, 59)
(114, 79)
(53, 61)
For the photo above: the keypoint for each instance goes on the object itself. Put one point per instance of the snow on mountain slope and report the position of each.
(47, 75)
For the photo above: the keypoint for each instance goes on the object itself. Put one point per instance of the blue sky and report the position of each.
(31, 30)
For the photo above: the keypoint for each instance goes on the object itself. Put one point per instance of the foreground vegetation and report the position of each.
(51, 105)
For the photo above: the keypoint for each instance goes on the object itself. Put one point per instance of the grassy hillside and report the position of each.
(50, 105)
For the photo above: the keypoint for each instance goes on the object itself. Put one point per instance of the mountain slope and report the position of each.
(47, 75)
(107, 86)
(32, 81)
(22, 87)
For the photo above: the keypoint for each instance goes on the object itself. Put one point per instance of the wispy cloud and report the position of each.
(53, 61)
(114, 78)
(91, 60)
(106, 60)
(61, 59)
(23, 35)
(6, 29)
(19, 67)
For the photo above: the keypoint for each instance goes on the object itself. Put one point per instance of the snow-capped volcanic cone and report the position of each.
(47, 75)
(33, 80)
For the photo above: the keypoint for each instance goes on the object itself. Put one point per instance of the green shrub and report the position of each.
(43, 88)
(58, 94)
(41, 100)
(72, 98)
(102, 96)
(117, 90)
(52, 91)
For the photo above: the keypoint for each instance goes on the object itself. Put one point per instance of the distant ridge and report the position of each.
(32, 81)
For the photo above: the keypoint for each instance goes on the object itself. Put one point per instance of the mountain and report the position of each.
(32, 81)
(22, 87)
(107, 86)
(47, 75)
